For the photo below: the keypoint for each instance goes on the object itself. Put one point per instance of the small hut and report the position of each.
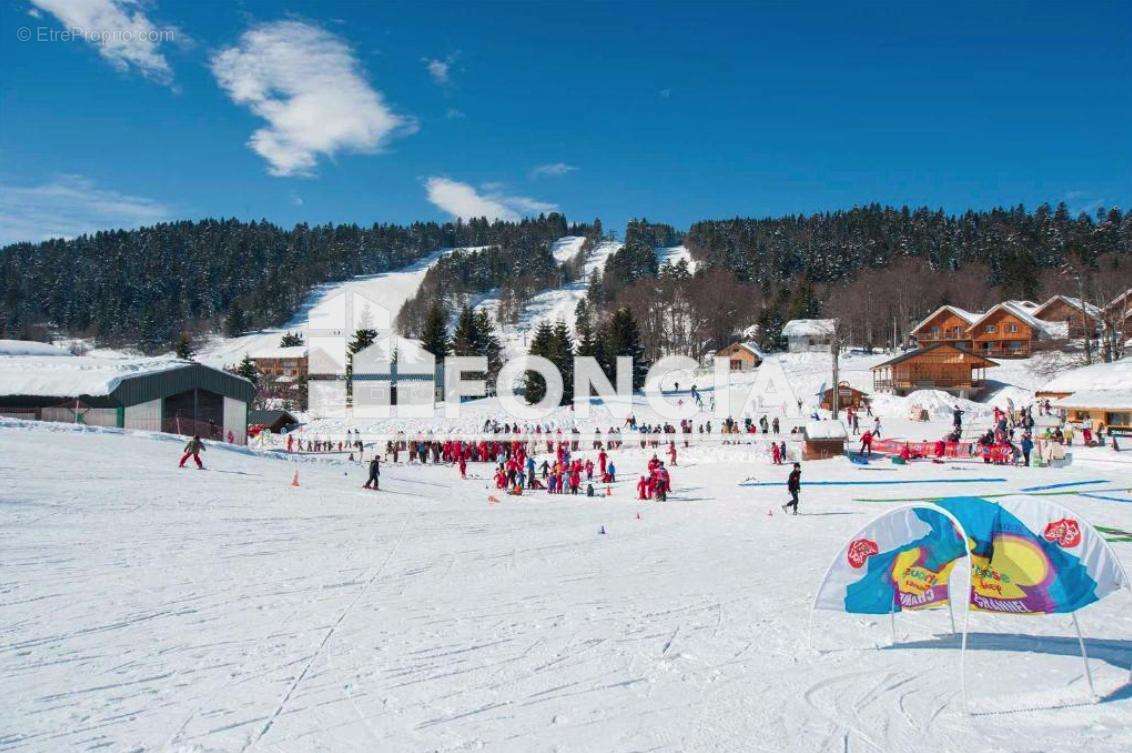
(824, 439)
(847, 397)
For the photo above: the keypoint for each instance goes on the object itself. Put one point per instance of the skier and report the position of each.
(794, 485)
(775, 453)
(193, 449)
(867, 443)
(642, 489)
(374, 474)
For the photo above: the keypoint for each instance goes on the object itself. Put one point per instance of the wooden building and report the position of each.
(1081, 318)
(847, 397)
(281, 362)
(804, 335)
(942, 366)
(742, 356)
(824, 439)
(1108, 409)
(1010, 330)
(946, 324)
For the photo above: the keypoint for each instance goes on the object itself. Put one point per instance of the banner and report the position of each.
(902, 560)
(1028, 556)
(1032, 556)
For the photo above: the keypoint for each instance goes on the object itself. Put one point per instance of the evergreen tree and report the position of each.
(622, 337)
(185, 348)
(235, 324)
(534, 386)
(248, 371)
(583, 327)
(488, 346)
(562, 356)
(362, 339)
(291, 340)
(434, 338)
(465, 338)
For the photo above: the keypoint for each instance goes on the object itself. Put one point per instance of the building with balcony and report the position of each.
(941, 366)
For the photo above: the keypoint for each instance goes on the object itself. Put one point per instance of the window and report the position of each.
(1011, 328)
(1014, 344)
(990, 329)
(934, 331)
(736, 364)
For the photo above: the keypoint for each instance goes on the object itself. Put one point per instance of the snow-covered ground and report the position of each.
(324, 308)
(149, 608)
(674, 255)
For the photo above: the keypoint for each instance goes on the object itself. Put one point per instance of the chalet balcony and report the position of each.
(1005, 349)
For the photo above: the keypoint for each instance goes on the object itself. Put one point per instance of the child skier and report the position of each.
(193, 449)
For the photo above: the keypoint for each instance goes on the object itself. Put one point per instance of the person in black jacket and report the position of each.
(794, 485)
(374, 473)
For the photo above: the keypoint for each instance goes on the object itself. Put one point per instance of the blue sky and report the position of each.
(387, 112)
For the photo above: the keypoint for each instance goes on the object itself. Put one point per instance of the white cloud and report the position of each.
(462, 200)
(69, 206)
(310, 88)
(552, 169)
(454, 114)
(440, 70)
(121, 32)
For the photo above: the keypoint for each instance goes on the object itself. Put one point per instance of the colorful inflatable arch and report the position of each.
(1026, 556)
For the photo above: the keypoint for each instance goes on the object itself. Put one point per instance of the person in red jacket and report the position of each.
(775, 453)
(463, 466)
(601, 458)
(642, 489)
(589, 469)
(867, 443)
(672, 453)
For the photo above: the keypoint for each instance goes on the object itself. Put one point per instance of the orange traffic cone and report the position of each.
(608, 491)
(295, 478)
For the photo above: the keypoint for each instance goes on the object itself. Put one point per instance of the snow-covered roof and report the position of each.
(750, 347)
(1098, 376)
(294, 351)
(1024, 312)
(1076, 303)
(809, 327)
(831, 429)
(1100, 399)
(29, 348)
(968, 316)
(71, 376)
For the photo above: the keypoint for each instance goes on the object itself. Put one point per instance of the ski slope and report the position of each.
(151, 608)
(323, 308)
(674, 255)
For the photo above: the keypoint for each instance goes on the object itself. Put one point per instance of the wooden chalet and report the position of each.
(1081, 318)
(946, 324)
(1107, 409)
(742, 356)
(1119, 313)
(847, 397)
(289, 362)
(941, 366)
(1010, 330)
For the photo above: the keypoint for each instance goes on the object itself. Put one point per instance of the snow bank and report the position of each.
(29, 348)
(826, 430)
(1099, 376)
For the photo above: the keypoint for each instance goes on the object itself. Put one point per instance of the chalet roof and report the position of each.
(809, 327)
(968, 316)
(269, 417)
(1076, 303)
(1114, 400)
(1119, 300)
(830, 429)
(976, 358)
(1024, 312)
(750, 347)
